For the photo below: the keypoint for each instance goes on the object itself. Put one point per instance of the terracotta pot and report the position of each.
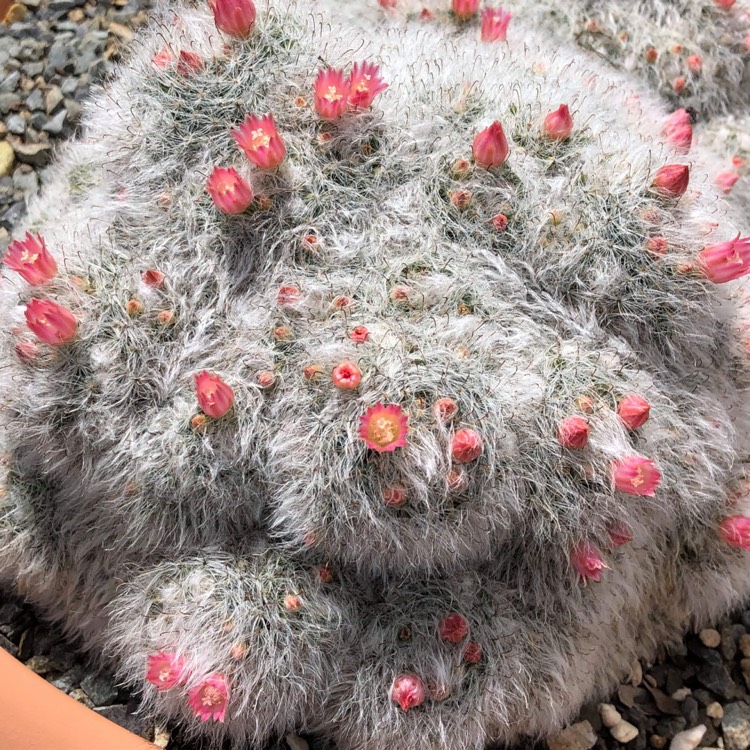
(35, 715)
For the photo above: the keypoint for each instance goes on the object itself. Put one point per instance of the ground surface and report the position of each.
(49, 57)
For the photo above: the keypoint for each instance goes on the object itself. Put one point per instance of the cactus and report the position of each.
(414, 416)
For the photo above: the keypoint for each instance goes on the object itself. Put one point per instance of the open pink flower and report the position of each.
(725, 181)
(573, 432)
(261, 142)
(215, 397)
(408, 691)
(735, 530)
(466, 445)
(558, 125)
(209, 699)
(52, 323)
(587, 561)
(495, 24)
(165, 669)
(453, 628)
(464, 9)
(384, 427)
(331, 94)
(634, 411)
(490, 147)
(365, 84)
(678, 130)
(31, 259)
(636, 475)
(726, 261)
(671, 180)
(234, 17)
(346, 376)
(231, 193)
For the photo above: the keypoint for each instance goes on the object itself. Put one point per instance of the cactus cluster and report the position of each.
(375, 380)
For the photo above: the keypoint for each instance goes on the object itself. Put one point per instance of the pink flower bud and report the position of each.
(587, 561)
(292, 603)
(163, 58)
(678, 85)
(461, 199)
(725, 4)
(457, 479)
(408, 691)
(209, 699)
(657, 245)
(695, 64)
(261, 142)
(164, 670)
(472, 653)
(466, 445)
(678, 131)
(558, 125)
(490, 148)
(735, 530)
(31, 259)
(325, 574)
(331, 94)
(619, 535)
(672, 180)
(495, 24)
(52, 323)
(651, 55)
(500, 222)
(636, 475)
(388, 4)
(265, 378)
(725, 261)
(288, 295)
(725, 181)
(464, 9)
(153, 278)
(634, 411)
(215, 397)
(26, 351)
(445, 409)
(394, 496)
(573, 433)
(359, 335)
(453, 628)
(364, 85)
(230, 192)
(746, 43)
(234, 17)
(347, 376)
(188, 64)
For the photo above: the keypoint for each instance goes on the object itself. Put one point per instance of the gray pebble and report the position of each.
(33, 69)
(8, 646)
(26, 182)
(58, 58)
(16, 124)
(735, 726)
(36, 154)
(69, 86)
(9, 83)
(53, 99)
(69, 680)
(717, 680)
(101, 689)
(8, 102)
(13, 214)
(55, 125)
(124, 717)
(35, 100)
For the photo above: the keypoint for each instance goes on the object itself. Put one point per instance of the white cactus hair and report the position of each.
(144, 534)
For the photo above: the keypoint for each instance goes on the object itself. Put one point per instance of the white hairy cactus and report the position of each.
(328, 436)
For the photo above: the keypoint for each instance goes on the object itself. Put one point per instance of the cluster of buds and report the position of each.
(208, 699)
(187, 63)
(335, 92)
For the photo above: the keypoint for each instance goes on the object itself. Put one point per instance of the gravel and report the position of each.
(696, 695)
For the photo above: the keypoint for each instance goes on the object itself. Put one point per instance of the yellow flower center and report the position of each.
(638, 479)
(333, 95)
(384, 431)
(165, 674)
(211, 696)
(363, 86)
(259, 138)
(27, 257)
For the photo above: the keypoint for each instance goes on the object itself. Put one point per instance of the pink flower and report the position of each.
(495, 24)
(163, 58)
(394, 496)
(444, 409)
(695, 64)
(288, 295)
(725, 181)
(331, 94)
(364, 85)
(26, 351)
(384, 428)
(31, 259)
(189, 63)
(359, 334)
(260, 141)
(490, 147)
(209, 699)
(657, 245)
(735, 530)
(292, 603)
(52, 323)
(725, 4)
(636, 475)
(678, 130)
(153, 278)
(388, 4)
(215, 397)
(347, 376)
(671, 180)
(408, 691)
(500, 222)
(619, 535)
(634, 411)
(587, 561)
(453, 628)
(573, 432)
(231, 193)
(165, 670)
(558, 125)
(726, 261)
(234, 17)
(466, 445)
(678, 85)
(464, 9)
(472, 653)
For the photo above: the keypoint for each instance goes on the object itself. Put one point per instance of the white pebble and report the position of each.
(296, 742)
(715, 710)
(610, 715)
(710, 637)
(636, 674)
(681, 694)
(689, 739)
(624, 731)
